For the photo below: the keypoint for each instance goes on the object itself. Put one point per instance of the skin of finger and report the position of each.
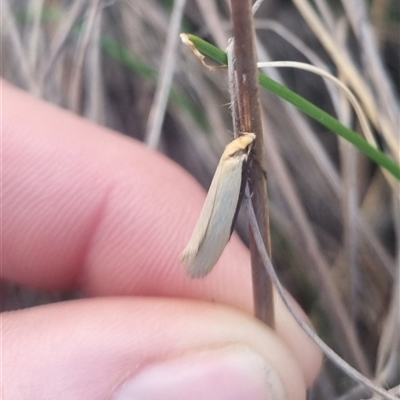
(97, 345)
(83, 205)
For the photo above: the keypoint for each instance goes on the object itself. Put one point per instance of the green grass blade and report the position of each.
(308, 108)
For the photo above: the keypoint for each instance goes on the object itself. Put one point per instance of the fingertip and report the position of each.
(87, 205)
(96, 346)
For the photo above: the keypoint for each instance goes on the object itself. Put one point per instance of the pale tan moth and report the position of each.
(217, 218)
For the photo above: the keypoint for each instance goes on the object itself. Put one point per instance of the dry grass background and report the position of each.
(335, 219)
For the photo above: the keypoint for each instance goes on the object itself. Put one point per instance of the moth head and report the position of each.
(242, 145)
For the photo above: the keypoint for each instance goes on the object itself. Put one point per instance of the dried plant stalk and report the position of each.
(249, 115)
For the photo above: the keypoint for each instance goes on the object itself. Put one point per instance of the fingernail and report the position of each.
(235, 372)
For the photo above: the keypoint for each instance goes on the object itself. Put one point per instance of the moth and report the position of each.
(218, 215)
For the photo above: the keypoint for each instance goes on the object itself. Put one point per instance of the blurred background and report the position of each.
(334, 215)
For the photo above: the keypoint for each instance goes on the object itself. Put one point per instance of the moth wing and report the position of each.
(213, 229)
(200, 229)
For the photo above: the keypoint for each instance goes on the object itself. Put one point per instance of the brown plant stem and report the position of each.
(248, 104)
